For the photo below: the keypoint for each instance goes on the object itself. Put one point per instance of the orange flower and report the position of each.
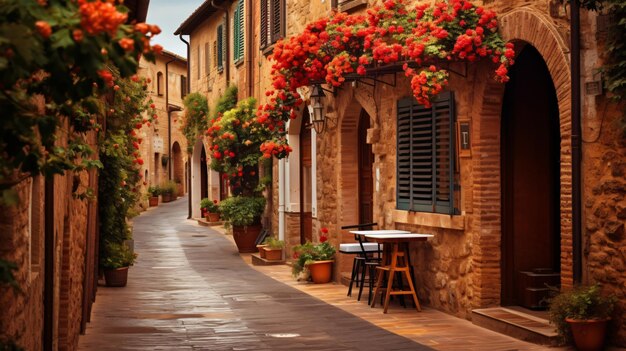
(78, 36)
(127, 44)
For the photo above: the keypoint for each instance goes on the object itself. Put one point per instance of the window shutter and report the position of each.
(264, 23)
(199, 63)
(236, 25)
(220, 47)
(183, 86)
(215, 53)
(207, 63)
(276, 22)
(425, 155)
(240, 36)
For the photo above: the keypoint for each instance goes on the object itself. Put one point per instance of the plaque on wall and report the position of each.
(463, 137)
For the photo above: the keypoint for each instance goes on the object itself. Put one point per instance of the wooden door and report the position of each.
(366, 183)
(530, 174)
(306, 179)
(204, 175)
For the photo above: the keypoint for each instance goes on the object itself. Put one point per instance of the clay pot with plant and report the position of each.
(210, 210)
(273, 249)
(116, 260)
(317, 259)
(581, 315)
(243, 213)
(153, 196)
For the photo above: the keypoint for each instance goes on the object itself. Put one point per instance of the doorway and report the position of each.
(204, 175)
(366, 184)
(530, 182)
(306, 163)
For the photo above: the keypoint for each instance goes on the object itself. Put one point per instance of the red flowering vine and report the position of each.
(420, 37)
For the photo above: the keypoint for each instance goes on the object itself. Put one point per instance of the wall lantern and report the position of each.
(318, 120)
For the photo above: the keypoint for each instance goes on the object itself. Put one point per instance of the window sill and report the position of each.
(268, 49)
(238, 62)
(435, 220)
(346, 6)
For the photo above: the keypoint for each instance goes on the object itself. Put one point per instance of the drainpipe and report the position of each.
(169, 119)
(249, 49)
(226, 43)
(281, 199)
(48, 298)
(576, 143)
(188, 155)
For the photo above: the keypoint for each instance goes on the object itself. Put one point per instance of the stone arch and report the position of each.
(521, 26)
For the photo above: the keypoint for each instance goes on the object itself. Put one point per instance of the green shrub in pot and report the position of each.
(242, 210)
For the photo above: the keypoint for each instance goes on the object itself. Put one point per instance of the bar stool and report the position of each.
(362, 252)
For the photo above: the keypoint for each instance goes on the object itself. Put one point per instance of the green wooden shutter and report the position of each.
(264, 23)
(425, 155)
(238, 33)
(220, 47)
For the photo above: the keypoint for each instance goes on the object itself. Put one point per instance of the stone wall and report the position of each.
(460, 269)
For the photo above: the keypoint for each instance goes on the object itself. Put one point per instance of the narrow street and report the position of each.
(190, 290)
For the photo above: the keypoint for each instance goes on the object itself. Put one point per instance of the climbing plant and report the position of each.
(195, 120)
(227, 101)
(55, 59)
(128, 111)
(419, 38)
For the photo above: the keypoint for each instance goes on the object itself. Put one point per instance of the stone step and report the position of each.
(203, 222)
(258, 261)
(516, 324)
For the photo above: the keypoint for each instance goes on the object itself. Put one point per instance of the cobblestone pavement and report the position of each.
(190, 290)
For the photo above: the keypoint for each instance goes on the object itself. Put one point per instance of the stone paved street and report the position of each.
(190, 290)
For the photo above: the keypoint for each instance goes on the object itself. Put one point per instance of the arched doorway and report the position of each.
(178, 166)
(530, 182)
(366, 183)
(199, 178)
(306, 180)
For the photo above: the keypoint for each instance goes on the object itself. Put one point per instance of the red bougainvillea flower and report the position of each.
(43, 28)
(323, 238)
(324, 230)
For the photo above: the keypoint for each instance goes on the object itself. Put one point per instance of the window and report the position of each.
(198, 64)
(207, 63)
(238, 38)
(425, 155)
(159, 83)
(272, 22)
(183, 87)
(220, 47)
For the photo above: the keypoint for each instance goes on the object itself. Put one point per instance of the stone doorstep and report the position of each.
(203, 222)
(258, 261)
(516, 324)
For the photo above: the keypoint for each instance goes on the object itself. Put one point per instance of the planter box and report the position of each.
(153, 201)
(273, 254)
(261, 249)
(116, 277)
(212, 217)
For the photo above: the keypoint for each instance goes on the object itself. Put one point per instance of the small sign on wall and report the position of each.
(463, 136)
(157, 145)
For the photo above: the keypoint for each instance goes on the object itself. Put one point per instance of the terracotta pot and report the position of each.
(261, 249)
(588, 334)
(212, 217)
(153, 201)
(273, 254)
(245, 237)
(116, 277)
(321, 271)
(166, 198)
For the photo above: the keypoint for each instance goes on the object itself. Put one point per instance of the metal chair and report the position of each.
(364, 254)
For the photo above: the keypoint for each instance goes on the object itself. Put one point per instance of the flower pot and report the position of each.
(166, 198)
(245, 237)
(273, 254)
(261, 249)
(588, 334)
(212, 217)
(153, 201)
(116, 277)
(321, 271)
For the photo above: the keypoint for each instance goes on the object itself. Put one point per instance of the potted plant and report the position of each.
(115, 262)
(154, 192)
(317, 259)
(273, 248)
(582, 314)
(168, 191)
(210, 210)
(243, 213)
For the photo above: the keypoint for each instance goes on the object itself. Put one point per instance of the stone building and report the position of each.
(52, 238)
(222, 51)
(167, 89)
(502, 208)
